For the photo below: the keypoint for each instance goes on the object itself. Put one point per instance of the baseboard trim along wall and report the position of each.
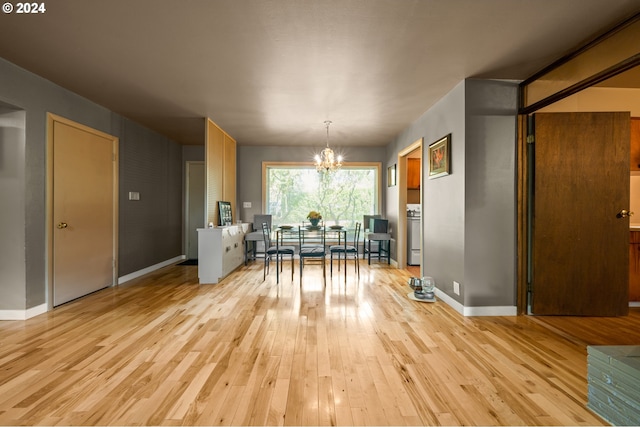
(477, 311)
(149, 269)
(23, 314)
(42, 308)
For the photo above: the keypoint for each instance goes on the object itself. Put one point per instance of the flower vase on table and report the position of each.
(314, 218)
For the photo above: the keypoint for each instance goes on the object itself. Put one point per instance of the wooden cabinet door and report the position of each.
(413, 174)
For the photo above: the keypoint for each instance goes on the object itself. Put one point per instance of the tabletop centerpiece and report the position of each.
(314, 218)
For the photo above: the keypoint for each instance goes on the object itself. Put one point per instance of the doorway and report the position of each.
(410, 198)
(195, 206)
(82, 188)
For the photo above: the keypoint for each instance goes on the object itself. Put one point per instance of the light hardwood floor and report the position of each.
(163, 350)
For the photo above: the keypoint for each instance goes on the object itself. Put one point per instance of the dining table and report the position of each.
(290, 233)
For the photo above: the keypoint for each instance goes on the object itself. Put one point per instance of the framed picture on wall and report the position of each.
(391, 176)
(440, 157)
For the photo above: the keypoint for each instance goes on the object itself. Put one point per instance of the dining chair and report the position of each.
(278, 251)
(254, 240)
(312, 247)
(346, 250)
(379, 235)
(367, 227)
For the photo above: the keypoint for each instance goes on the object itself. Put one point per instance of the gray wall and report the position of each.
(150, 230)
(162, 214)
(490, 193)
(12, 197)
(249, 169)
(469, 215)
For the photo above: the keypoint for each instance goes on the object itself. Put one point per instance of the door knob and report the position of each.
(62, 225)
(624, 214)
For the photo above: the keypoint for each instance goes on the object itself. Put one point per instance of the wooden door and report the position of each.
(83, 211)
(580, 242)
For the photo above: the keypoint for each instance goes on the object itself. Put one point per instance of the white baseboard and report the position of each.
(34, 311)
(634, 303)
(477, 311)
(149, 269)
(23, 314)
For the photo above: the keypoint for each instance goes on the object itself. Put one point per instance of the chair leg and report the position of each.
(331, 263)
(301, 267)
(388, 251)
(324, 271)
(292, 267)
(265, 268)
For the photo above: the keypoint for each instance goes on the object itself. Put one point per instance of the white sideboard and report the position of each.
(220, 251)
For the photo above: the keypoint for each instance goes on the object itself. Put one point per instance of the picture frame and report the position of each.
(440, 157)
(224, 211)
(391, 176)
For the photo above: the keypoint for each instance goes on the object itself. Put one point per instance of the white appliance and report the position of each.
(413, 235)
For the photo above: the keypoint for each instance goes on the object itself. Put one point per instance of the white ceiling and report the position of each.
(270, 72)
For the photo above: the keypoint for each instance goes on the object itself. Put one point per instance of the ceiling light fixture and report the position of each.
(327, 161)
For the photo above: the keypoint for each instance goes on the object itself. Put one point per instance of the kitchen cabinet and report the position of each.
(413, 174)
(634, 266)
(635, 144)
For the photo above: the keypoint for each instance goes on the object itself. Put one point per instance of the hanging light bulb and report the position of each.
(327, 161)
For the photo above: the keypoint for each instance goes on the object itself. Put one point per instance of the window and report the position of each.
(292, 190)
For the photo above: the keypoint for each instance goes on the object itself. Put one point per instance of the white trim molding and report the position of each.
(477, 311)
(42, 308)
(149, 269)
(23, 314)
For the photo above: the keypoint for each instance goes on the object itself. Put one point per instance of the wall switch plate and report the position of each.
(134, 195)
(456, 288)
(246, 204)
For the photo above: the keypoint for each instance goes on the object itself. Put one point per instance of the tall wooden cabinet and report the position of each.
(221, 170)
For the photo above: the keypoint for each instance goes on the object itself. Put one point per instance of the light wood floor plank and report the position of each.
(164, 350)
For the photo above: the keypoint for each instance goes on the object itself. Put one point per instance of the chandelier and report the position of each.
(327, 161)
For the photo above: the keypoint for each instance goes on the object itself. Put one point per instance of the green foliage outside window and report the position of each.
(342, 197)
